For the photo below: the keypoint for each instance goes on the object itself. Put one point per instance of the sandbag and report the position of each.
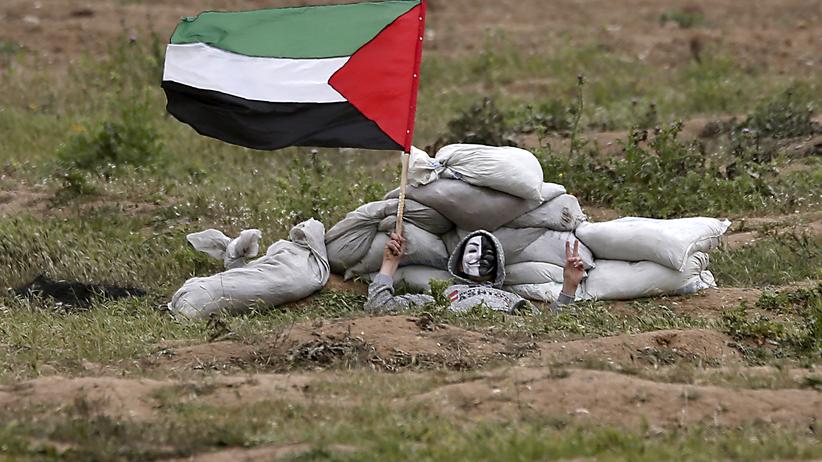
(421, 248)
(546, 292)
(350, 239)
(416, 278)
(421, 168)
(622, 280)
(289, 271)
(539, 245)
(511, 170)
(419, 215)
(532, 273)
(666, 242)
(562, 213)
(469, 207)
(233, 252)
(452, 239)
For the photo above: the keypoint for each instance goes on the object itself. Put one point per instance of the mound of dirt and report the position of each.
(608, 398)
(140, 399)
(697, 346)
(388, 343)
(115, 396)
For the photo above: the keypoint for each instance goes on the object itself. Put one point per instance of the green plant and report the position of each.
(795, 332)
(552, 116)
(787, 115)
(313, 188)
(685, 18)
(129, 139)
(777, 258)
(660, 176)
(482, 123)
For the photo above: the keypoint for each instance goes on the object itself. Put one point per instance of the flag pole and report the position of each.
(403, 185)
(409, 132)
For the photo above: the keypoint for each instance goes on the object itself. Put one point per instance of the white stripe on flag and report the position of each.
(274, 80)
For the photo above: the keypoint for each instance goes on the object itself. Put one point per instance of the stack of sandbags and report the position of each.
(470, 187)
(532, 219)
(640, 257)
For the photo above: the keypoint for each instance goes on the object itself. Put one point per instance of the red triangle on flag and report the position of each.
(382, 77)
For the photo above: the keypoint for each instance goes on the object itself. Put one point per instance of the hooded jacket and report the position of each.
(464, 293)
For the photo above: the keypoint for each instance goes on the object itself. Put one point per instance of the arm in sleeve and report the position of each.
(381, 298)
(561, 301)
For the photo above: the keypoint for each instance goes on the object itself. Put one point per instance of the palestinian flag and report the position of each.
(330, 76)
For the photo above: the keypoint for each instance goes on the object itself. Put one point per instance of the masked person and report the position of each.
(478, 267)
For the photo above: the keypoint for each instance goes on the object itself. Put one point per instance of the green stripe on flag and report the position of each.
(301, 32)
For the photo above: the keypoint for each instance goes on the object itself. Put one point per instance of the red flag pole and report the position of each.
(415, 82)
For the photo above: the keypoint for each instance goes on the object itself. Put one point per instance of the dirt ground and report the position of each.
(511, 377)
(537, 378)
(783, 34)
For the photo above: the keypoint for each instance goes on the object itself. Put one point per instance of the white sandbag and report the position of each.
(416, 278)
(234, 253)
(469, 207)
(547, 292)
(622, 280)
(452, 239)
(667, 242)
(511, 170)
(562, 213)
(289, 271)
(539, 245)
(350, 239)
(419, 215)
(421, 248)
(422, 169)
(532, 273)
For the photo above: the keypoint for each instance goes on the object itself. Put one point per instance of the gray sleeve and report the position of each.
(381, 298)
(561, 301)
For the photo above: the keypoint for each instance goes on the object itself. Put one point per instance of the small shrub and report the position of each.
(663, 177)
(74, 183)
(482, 123)
(548, 117)
(795, 333)
(130, 139)
(683, 18)
(784, 116)
(778, 258)
(313, 188)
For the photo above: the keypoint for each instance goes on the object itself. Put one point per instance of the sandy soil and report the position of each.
(782, 34)
(536, 384)
(618, 380)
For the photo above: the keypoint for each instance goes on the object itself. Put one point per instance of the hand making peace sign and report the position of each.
(574, 271)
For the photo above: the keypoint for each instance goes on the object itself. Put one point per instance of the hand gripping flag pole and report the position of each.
(409, 133)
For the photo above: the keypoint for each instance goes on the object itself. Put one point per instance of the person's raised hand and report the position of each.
(392, 254)
(574, 270)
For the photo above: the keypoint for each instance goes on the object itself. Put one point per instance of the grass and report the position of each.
(776, 259)
(124, 188)
(80, 431)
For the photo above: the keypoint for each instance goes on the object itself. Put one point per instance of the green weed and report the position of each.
(776, 259)
(482, 123)
(794, 330)
(667, 178)
(131, 139)
(369, 431)
(685, 19)
(786, 115)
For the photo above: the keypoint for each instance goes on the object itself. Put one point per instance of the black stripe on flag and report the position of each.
(268, 126)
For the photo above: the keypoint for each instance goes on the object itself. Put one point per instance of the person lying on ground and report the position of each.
(478, 267)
